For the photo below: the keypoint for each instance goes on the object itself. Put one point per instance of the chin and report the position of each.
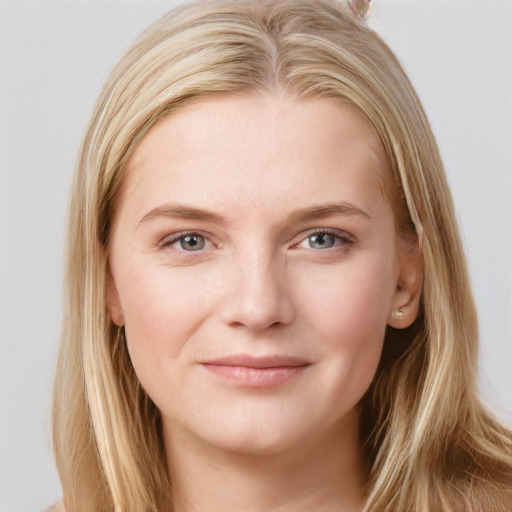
(260, 434)
(255, 442)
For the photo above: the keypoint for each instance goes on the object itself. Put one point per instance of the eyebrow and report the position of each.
(315, 212)
(183, 212)
(328, 210)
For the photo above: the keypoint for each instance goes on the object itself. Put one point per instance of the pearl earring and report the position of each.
(398, 314)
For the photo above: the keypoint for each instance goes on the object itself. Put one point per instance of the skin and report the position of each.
(272, 268)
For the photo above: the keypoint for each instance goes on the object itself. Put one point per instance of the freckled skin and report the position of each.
(258, 285)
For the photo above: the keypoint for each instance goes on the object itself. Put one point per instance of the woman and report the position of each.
(268, 305)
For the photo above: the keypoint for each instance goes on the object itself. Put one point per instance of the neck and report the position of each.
(323, 474)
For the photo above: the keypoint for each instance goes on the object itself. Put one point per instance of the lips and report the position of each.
(256, 372)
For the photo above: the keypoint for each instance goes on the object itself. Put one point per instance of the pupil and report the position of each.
(321, 241)
(193, 243)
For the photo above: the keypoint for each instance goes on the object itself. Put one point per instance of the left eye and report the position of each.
(323, 240)
(192, 242)
(189, 242)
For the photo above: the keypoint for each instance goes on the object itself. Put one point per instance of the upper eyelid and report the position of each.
(172, 238)
(340, 233)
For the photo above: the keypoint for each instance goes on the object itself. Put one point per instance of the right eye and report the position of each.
(322, 240)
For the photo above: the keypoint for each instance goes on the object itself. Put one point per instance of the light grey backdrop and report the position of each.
(54, 57)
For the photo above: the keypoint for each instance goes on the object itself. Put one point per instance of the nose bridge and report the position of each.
(258, 296)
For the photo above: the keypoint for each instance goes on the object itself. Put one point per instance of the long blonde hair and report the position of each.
(429, 443)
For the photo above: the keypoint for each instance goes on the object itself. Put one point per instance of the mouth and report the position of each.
(256, 372)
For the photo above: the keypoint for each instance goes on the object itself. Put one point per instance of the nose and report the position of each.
(258, 296)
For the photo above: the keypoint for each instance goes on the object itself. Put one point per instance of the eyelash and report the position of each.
(344, 239)
(177, 237)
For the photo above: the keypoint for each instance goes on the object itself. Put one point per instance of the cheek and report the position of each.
(348, 312)
(353, 300)
(162, 310)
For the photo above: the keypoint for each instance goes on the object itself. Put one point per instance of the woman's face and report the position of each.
(255, 266)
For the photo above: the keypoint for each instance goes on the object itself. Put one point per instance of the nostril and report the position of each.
(257, 300)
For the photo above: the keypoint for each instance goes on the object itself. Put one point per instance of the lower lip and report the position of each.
(256, 377)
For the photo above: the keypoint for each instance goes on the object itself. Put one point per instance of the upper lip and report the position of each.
(249, 361)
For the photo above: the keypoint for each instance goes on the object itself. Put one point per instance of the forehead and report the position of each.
(220, 118)
(242, 147)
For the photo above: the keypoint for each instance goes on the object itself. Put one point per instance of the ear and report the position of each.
(113, 303)
(406, 301)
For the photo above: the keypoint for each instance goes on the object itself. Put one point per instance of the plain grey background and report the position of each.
(54, 56)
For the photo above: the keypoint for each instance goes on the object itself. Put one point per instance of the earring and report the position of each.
(398, 314)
